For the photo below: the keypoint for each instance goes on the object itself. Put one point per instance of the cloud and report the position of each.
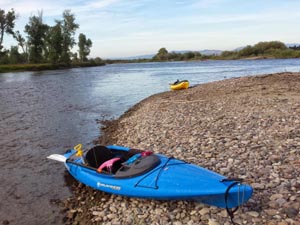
(100, 4)
(204, 4)
(55, 7)
(150, 24)
(32, 6)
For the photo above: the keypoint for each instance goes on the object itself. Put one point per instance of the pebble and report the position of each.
(204, 211)
(97, 213)
(5, 222)
(282, 223)
(258, 186)
(291, 212)
(276, 196)
(253, 213)
(271, 212)
(177, 223)
(212, 222)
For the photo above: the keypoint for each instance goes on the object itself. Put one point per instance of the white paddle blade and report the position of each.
(57, 157)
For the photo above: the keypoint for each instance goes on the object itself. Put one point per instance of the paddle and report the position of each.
(57, 157)
(61, 158)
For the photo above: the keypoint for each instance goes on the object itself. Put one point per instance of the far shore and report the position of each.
(44, 66)
(5, 68)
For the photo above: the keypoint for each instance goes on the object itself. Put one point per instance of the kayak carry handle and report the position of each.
(232, 179)
(78, 148)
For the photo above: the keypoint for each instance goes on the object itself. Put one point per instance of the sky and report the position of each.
(124, 28)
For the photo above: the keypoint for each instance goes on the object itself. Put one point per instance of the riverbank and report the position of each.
(245, 127)
(44, 66)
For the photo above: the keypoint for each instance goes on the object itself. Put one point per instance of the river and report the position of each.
(47, 112)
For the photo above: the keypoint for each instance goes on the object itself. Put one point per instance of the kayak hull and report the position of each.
(171, 179)
(179, 86)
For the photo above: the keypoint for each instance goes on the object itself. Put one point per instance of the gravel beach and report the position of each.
(245, 127)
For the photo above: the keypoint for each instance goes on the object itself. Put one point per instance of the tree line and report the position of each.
(43, 43)
(271, 49)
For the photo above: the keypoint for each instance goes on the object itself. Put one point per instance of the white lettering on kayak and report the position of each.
(117, 188)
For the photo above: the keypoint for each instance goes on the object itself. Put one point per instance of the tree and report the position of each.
(189, 55)
(68, 31)
(84, 47)
(36, 31)
(4, 57)
(74, 57)
(21, 41)
(98, 60)
(162, 55)
(173, 56)
(247, 51)
(14, 56)
(163, 51)
(54, 43)
(7, 24)
(262, 47)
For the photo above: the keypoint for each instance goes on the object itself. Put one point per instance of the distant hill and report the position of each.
(211, 52)
(238, 49)
(292, 44)
(149, 56)
(203, 52)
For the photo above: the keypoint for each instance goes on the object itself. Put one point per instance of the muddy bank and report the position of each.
(245, 127)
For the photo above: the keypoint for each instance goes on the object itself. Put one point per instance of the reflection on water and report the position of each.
(48, 112)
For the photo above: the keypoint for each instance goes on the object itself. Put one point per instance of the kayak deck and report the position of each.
(159, 177)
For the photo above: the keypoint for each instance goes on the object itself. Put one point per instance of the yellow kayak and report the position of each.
(178, 85)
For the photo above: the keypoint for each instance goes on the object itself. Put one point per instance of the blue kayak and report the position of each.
(143, 174)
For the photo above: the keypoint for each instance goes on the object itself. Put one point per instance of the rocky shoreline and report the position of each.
(245, 127)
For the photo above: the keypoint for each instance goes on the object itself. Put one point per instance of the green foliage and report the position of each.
(14, 56)
(7, 24)
(51, 44)
(69, 27)
(21, 41)
(36, 31)
(247, 51)
(27, 67)
(283, 54)
(262, 47)
(98, 60)
(46, 47)
(272, 49)
(4, 57)
(84, 47)
(54, 43)
(45, 66)
(162, 55)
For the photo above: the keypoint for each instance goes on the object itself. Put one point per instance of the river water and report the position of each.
(47, 112)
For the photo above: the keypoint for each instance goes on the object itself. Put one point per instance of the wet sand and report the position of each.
(243, 127)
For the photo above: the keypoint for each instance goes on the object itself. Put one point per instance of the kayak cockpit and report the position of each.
(119, 163)
(98, 155)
